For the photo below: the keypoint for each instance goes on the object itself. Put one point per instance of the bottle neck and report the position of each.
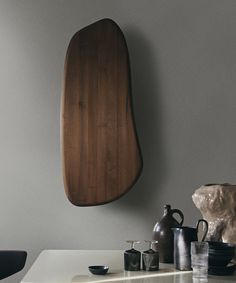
(167, 209)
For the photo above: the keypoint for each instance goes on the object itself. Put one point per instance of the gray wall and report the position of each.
(183, 71)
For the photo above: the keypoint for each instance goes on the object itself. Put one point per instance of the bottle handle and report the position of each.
(180, 214)
(206, 228)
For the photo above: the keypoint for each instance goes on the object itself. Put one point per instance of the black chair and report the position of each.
(11, 262)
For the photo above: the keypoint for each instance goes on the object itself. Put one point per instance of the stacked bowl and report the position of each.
(220, 256)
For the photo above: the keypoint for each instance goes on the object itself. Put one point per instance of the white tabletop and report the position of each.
(71, 266)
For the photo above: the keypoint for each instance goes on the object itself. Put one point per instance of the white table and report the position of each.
(71, 266)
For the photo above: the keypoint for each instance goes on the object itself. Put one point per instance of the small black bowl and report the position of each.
(98, 269)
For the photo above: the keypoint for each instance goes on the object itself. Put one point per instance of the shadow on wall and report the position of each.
(146, 92)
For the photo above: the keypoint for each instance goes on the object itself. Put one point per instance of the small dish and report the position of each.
(98, 269)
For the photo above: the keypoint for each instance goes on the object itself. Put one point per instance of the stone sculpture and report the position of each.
(217, 203)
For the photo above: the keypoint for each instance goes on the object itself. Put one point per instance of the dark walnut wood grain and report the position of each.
(101, 156)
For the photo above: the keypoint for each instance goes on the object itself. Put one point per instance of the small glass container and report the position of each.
(132, 257)
(150, 258)
(199, 259)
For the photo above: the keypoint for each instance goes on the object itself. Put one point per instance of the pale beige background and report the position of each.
(183, 62)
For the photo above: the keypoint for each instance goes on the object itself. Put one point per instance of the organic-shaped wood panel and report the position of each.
(101, 156)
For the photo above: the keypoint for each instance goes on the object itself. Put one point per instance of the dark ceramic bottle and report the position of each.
(164, 235)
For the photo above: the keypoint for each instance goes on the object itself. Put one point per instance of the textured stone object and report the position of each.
(217, 203)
